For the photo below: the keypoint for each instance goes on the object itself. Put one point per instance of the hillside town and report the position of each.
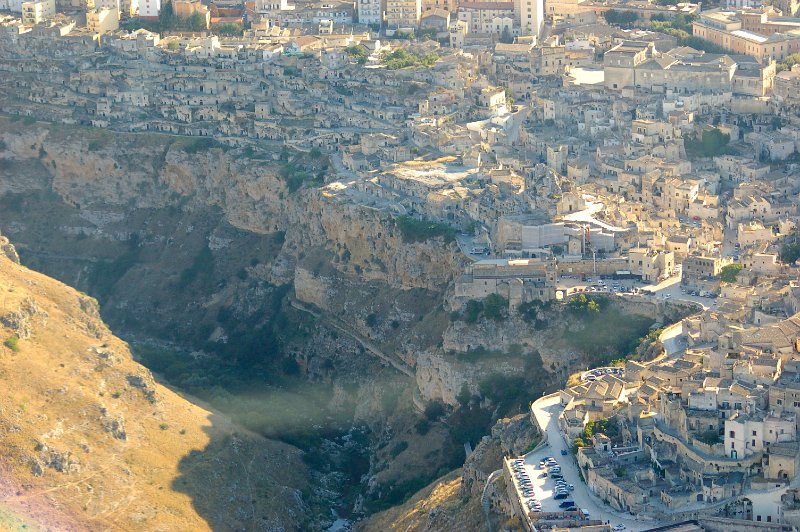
(647, 150)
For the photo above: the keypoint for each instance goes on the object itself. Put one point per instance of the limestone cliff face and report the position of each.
(365, 241)
(92, 169)
(509, 437)
(498, 336)
(440, 376)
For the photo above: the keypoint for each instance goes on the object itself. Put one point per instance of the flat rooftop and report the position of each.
(432, 173)
(749, 35)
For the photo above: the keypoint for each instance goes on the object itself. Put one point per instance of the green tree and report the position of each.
(495, 306)
(713, 142)
(228, 28)
(577, 444)
(509, 96)
(166, 17)
(357, 53)
(789, 62)
(464, 396)
(728, 273)
(196, 22)
(473, 311)
(698, 43)
(506, 37)
(434, 410)
(790, 252)
(621, 18)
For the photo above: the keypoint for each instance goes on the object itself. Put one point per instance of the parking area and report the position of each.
(594, 374)
(541, 486)
(546, 411)
(596, 284)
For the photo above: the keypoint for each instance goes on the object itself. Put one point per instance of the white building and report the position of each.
(149, 8)
(746, 434)
(403, 13)
(37, 11)
(370, 12)
(531, 16)
(102, 21)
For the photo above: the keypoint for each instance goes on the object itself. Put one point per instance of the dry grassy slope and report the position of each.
(437, 508)
(66, 398)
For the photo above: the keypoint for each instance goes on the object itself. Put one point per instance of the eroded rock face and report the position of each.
(7, 249)
(154, 171)
(509, 437)
(19, 321)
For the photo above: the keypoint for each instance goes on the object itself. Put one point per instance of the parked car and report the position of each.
(567, 503)
(556, 475)
(619, 527)
(561, 495)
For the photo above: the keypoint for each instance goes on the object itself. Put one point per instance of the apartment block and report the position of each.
(37, 11)
(403, 13)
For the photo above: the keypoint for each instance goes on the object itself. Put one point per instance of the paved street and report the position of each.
(546, 411)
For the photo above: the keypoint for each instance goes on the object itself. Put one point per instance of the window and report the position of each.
(732, 434)
(754, 433)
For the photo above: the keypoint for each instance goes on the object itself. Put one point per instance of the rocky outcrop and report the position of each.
(19, 321)
(366, 242)
(509, 437)
(7, 250)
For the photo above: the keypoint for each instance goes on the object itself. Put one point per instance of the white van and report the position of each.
(585, 513)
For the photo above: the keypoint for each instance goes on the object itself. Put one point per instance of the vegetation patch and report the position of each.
(709, 437)
(788, 63)
(790, 252)
(295, 176)
(12, 342)
(413, 230)
(357, 53)
(601, 331)
(401, 58)
(203, 264)
(197, 145)
(620, 18)
(712, 143)
(728, 273)
(606, 426)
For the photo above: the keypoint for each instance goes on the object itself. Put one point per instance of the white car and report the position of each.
(619, 527)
